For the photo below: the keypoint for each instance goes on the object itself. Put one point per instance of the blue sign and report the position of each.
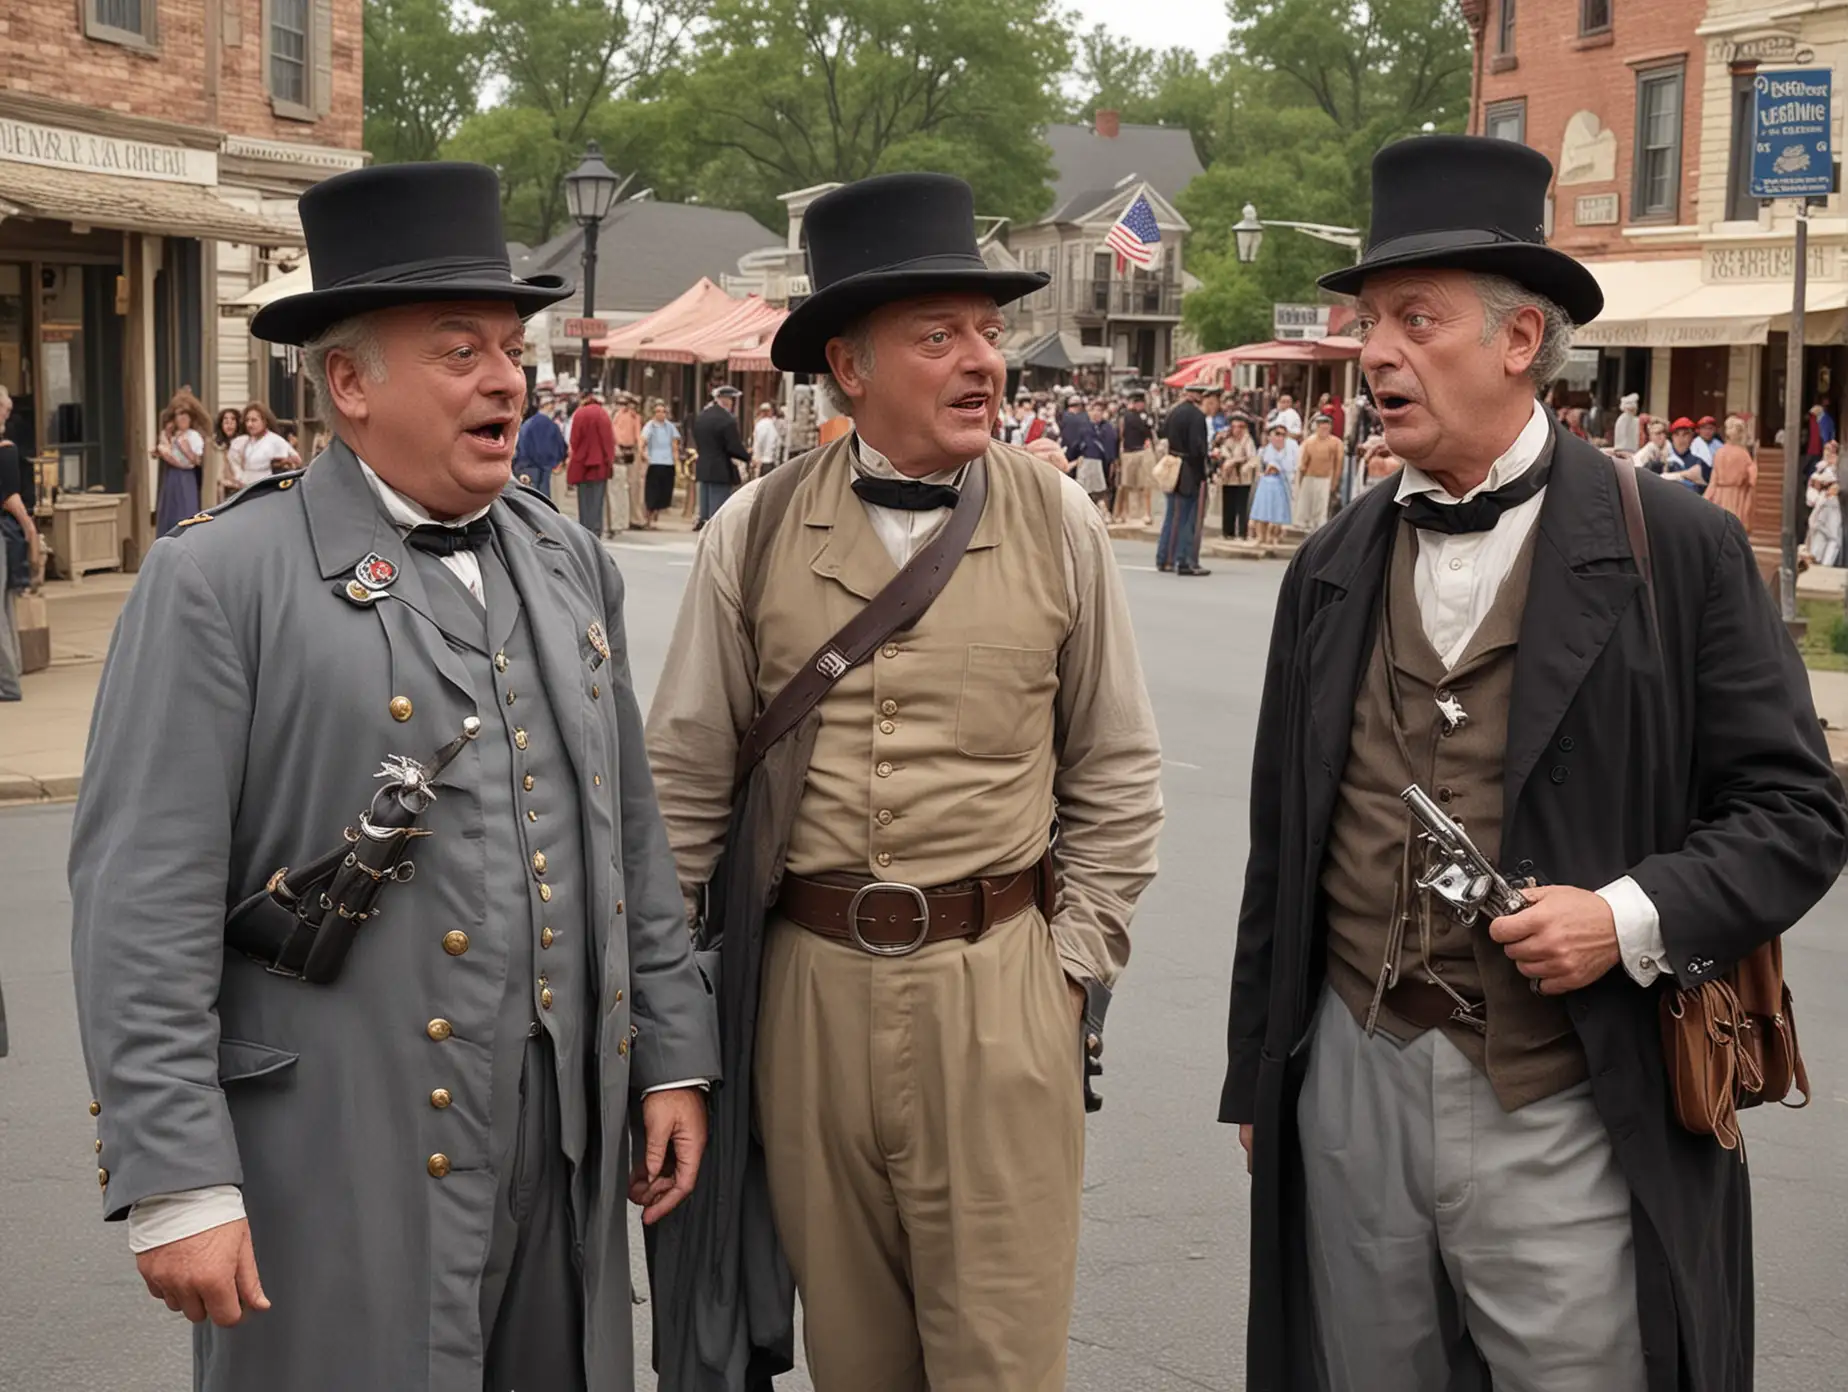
(1790, 134)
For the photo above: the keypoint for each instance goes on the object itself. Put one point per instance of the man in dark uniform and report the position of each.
(1188, 437)
(720, 452)
(1467, 1169)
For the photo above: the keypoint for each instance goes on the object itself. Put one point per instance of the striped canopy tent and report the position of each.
(739, 339)
(1218, 366)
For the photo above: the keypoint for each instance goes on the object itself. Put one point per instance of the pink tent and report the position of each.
(700, 305)
(1218, 366)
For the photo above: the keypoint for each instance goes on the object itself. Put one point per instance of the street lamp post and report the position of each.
(1248, 234)
(590, 192)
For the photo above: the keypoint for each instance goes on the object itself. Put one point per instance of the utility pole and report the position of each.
(1793, 424)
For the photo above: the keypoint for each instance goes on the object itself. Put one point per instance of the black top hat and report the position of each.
(1472, 203)
(400, 234)
(890, 237)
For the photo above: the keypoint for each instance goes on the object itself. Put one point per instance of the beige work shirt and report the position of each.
(1107, 784)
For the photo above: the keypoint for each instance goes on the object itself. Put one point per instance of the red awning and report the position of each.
(745, 332)
(704, 325)
(700, 304)
(1304, 350)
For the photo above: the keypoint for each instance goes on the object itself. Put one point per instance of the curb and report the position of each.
(19, 791)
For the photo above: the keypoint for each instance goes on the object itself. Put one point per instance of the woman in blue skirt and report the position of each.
(1270, 505)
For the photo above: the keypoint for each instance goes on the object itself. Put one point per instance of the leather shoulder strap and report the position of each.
(1639, 542)
(900, 604)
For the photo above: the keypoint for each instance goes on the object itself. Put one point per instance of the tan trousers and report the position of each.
(616, 501)
(923, 1122)
(638, 471)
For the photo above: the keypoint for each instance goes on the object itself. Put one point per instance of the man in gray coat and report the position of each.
(407, 1173)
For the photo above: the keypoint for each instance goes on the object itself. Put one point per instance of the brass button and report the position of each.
(545, 893)
(99, 1144)
(884, 770)
(401, 708)
(96, 1108)
(439, 1098)
(527, 782)
(532, 816)
(438, 1029)
(500, 661)
(102, 1179)
(510, 698)
(886, 727)
(891, 650)
(455, 942)
(545, 937)
(884, 858)
(619, 906)
(438, 1165)
(545, 999)
(595, 691)
(538, 862)
(622, 1048)
(619, 995)
(888, 707)
(597, 779)
(519, 739)
(885, 816)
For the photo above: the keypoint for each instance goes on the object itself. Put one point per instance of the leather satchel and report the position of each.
(1730, 1042)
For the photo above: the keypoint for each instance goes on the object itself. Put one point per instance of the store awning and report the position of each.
(1665, 304)
(133, 205)
(745, 329)
(1055, 352)
(296, 282)
(700, 304)
(1334, 348)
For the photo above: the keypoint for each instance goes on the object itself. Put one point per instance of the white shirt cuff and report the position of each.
(703, 1084)
(1639, 931)
(163, 1218)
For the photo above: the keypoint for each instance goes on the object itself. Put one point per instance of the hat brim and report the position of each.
(802, 340)
(1539, 268)
(295, 319)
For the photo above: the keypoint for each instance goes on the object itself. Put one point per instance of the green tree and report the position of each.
(423, 72)
(1168, 88)
(563, 65)
(1320, 86)
(783, 94)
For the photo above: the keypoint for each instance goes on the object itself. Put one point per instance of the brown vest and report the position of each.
(935, 758)
(1530, 1050)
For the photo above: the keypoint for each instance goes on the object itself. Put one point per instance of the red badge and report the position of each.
(375, 572)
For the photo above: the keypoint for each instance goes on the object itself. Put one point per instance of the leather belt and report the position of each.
(1430, 1006)
(892, 920)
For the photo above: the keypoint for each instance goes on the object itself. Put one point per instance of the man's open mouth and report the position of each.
(492, 432)
(1392, 401)
(970, 401)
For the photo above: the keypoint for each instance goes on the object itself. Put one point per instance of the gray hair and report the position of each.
(859, 336)
(358, 338)
(1502, 298)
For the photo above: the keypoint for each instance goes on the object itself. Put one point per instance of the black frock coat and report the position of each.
(1709, 783)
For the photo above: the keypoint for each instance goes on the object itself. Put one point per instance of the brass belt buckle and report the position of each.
(892, 949)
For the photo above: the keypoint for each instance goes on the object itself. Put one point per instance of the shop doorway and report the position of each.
(1697, 382)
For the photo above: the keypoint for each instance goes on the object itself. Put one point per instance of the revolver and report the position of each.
(1457, 872)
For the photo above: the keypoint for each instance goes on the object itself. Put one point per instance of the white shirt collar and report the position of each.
(406, 512)
(873, 464)
(1516, 460)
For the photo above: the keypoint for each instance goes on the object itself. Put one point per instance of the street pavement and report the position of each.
(1162, 1283)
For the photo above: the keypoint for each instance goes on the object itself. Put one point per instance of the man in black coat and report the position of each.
(1188, 437)
(717, 444)
(1455, 1181)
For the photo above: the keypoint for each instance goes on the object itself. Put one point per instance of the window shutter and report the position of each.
(322, 83)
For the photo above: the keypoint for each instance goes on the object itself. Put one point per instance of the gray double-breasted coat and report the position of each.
(244, 710)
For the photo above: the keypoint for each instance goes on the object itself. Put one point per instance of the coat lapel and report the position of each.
(1583, 579)
(1339, 638)
(348, 525)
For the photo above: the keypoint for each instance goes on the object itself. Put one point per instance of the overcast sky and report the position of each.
(1196, 24)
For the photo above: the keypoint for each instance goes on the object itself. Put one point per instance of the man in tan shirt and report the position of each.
(626, 424)
(1317, 471)
(917, 1068)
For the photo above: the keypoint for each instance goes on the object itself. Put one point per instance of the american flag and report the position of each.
(1135, 235)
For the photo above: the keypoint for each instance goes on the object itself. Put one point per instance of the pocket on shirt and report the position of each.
(1005, 711)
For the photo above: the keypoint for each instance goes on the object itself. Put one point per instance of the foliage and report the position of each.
(1146, 87)
(784, 94)
(1327, 83)
(423, 73)
(562, 62)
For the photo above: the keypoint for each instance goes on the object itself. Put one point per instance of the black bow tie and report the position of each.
(1481, 512)
(438, 540)
(906, 495)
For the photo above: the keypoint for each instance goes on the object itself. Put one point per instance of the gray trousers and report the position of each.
(532, 1292)
(590, 505)
(10, 661)
(1442, 1228)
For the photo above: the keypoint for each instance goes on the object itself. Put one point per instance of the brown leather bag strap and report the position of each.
(900, 604)
(1639, 543)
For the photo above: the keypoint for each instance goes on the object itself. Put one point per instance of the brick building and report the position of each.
(151, 153)
(1644, 107)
